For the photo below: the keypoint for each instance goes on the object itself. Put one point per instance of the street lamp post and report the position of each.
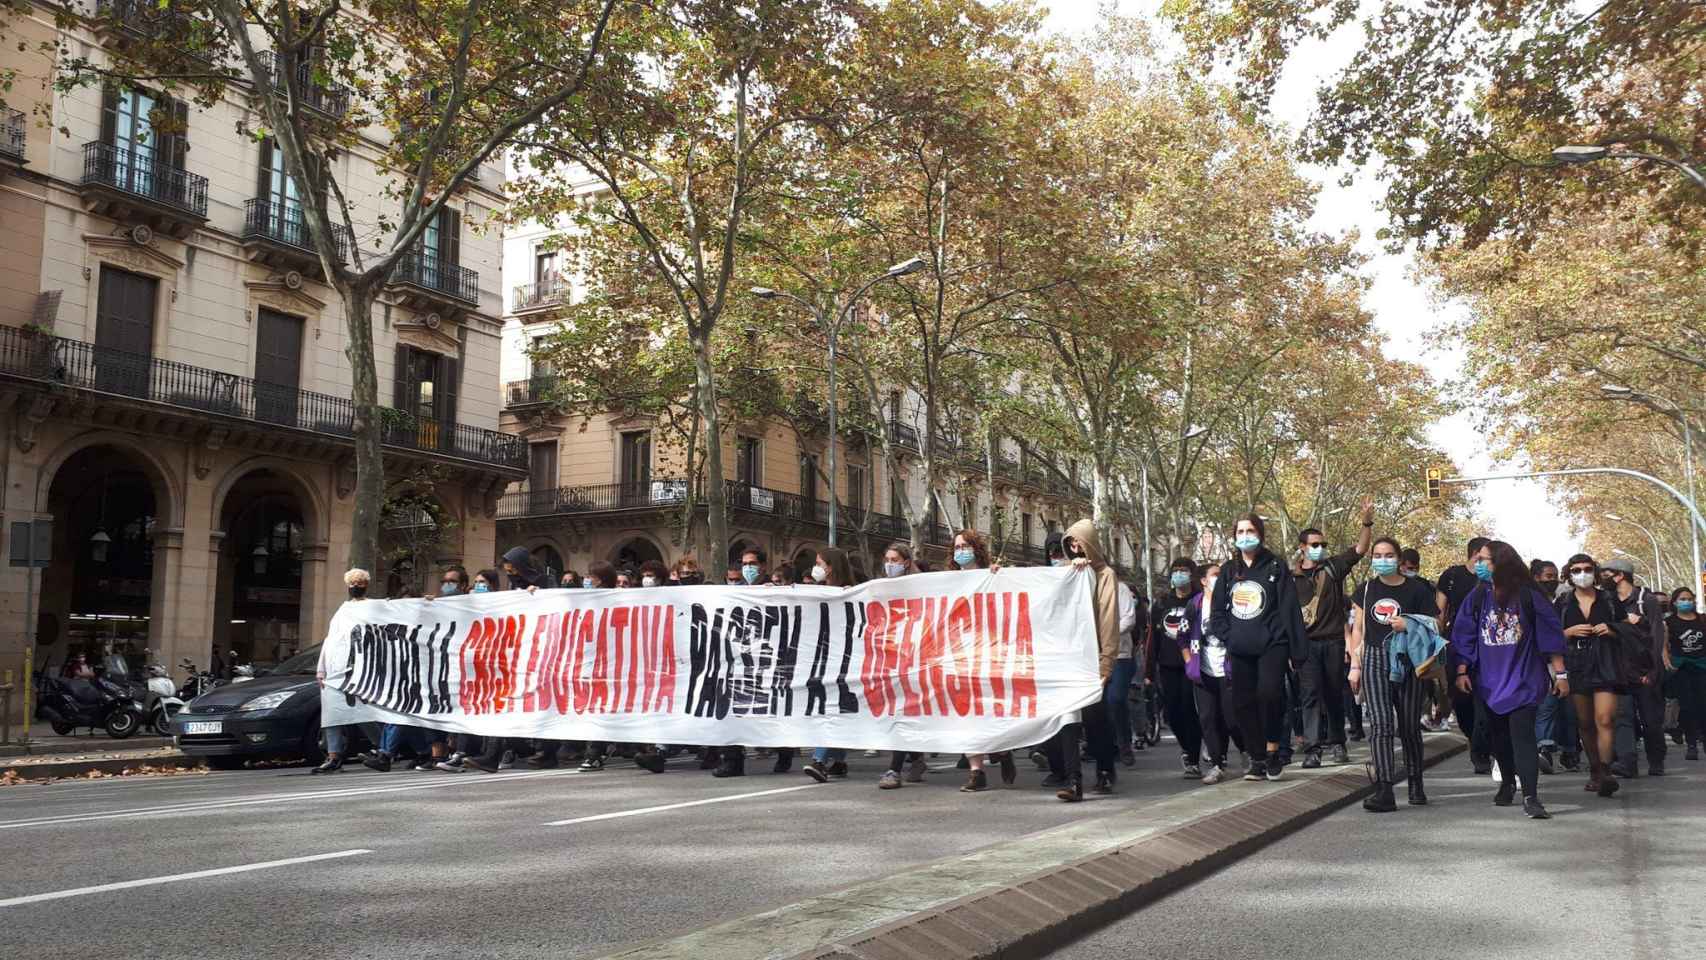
(1577, 154)
(1658, 565)
(833, 329)
(1618, 390)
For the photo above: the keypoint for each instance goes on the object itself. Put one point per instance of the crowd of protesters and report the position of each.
(1538, 666)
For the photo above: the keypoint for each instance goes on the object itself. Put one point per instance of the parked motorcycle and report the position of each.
(197, 683)
(71, 703)
(163, 701)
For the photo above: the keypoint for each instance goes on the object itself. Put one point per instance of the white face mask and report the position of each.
(1583, 580)
(1210, 585)
(819, 574)
(894, 569)
(648, 581)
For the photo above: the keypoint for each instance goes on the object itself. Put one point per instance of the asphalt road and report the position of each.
(517, 864)
(1461, 878)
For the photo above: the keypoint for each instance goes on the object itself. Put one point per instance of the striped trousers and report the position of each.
(1394, 707)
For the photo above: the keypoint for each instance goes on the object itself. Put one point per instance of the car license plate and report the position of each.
(204, 726)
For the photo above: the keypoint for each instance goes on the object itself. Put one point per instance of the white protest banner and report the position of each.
(968, 662)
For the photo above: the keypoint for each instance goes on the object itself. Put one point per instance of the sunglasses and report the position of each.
(1581, 569)
(1317, 543)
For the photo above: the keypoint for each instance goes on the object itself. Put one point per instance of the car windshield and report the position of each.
(303, 664)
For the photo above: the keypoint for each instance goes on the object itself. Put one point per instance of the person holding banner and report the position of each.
(1082, 545)
(971, 553)
(1255, 610)
(897, 562)
(356, 581)
(830, 569)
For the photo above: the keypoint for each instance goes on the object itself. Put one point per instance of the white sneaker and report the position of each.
(1214, 776)
(508, 761)
(452, 765)
(1498, 780)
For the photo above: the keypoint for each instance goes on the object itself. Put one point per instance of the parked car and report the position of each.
(274, 716)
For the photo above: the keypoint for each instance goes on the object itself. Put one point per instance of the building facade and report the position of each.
(176, 439)
(611, 487)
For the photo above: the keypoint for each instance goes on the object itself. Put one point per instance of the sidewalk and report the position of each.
(1025, 897)
(97, 755)
(44, 741)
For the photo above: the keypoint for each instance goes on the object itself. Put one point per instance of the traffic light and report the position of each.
(1436, 476)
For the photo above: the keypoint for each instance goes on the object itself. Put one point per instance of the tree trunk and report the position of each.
(366, 428)
(716, 493)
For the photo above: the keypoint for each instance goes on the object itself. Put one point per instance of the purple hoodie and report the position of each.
(1192, 636)
(1504, 647)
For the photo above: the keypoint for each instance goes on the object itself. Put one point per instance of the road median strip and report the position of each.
(1027, 896)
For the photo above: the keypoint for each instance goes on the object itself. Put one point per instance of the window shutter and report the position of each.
(449, 236)
(401, 378)
(176, 150)
(447, 390)
(109, 114)
(263, 179)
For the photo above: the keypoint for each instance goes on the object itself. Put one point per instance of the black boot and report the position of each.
(1381, 801)
(1506, 795)
(707, 758)
(732, 763)
(1073, 792)
(1418, 797)
(784, 760)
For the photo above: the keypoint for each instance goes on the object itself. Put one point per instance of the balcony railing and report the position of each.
(429, 272)
(548, 292)
(331, 99)
(146, 18)
(73, 363)
(597, 498)
(141, 174)
(537, 389)
(902, 435)
(268, 218)
(12, 134)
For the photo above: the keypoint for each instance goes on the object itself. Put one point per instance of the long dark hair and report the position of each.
(979, 549)
(1510, 572)
(840, 569)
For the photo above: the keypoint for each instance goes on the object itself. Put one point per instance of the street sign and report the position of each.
(1435, 476)
(32, 543)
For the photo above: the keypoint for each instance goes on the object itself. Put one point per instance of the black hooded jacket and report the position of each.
(1268, 613)
(526, 574)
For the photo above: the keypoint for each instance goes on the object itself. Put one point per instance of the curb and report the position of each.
(1055, 907)
(59, 769)
(44, 747)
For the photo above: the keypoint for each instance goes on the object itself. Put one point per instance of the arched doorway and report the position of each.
(97, 591)
(546, 558)
(258, 602)
(741, 545)
(631, 553)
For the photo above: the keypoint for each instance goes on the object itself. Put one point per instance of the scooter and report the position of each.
(69, 704)
(163, 701)
(197, 683)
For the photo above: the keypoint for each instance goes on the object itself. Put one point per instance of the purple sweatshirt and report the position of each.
(1504, 648)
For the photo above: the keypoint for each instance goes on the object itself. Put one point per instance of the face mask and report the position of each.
(1583, 580)
(1412, 573)
(1384, 566)
(482, 587)
(447, 589)
(1247, 541)
(692, 579)
(894, 569)
(965, 557)
(749, 573)
(1057, 561)
(589, 583)
(1483, 571)
(358, 591)
(648, 581)
(819, 573)
(1210, 585)
(1316, 553)
(1180, 579)
(1685, 606)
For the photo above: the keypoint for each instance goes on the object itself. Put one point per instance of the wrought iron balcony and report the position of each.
(536, 389)
(143, 18)
(125, 182)
(429, 278)
(72, 363)
(549, 292)
(328, 99)
(596, 498)
(902, 435)
(283, 224)
(12, 135)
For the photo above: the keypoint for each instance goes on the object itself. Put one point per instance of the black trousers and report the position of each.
(1258, 696)
(1322, 679)
(1691, 697)
(1214, 714)
(1512, 735)
(1645, 710)
(1180, 705)
(1098, 736)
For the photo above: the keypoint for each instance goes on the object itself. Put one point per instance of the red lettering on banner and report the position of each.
(483, 670)
(1024, 700)
(600, 679)
(962, 680)
(992, 659)
(666, 662)
(907, 657)
(870, 668)
(936, 648)
(465, 662)
(583, 639)
(530, 679)
(555, 695)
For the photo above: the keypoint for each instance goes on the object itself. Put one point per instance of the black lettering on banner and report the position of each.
(855, 627)
(744, 626)
(412, 702)
(444, 668)
(369, 662)
(787, 657)
(702, 648)
(815, 694)
(763, 701)
(398, 656)
(349, 666)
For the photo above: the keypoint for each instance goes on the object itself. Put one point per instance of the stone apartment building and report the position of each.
(174, 388)
(612, 488)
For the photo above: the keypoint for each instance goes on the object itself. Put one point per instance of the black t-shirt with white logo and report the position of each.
(1687, 637)
(1170, 619)
(1381, 603)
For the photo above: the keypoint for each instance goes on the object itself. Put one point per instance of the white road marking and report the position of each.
(677, 806)
(203, 806)
(174, 878)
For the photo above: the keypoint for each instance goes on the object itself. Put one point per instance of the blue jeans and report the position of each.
(829, 755)
(334, 740)
(398, 734)
(1555, 725)
(1116, 698)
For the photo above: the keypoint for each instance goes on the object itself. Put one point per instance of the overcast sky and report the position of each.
(1517, 511)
